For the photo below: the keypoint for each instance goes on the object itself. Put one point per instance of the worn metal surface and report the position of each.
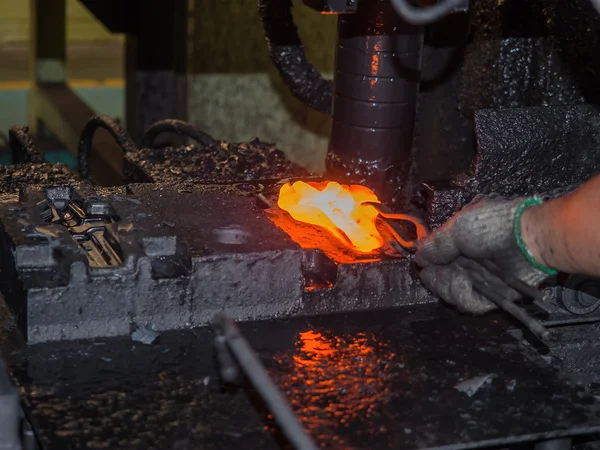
(536, 149)
(523, 151)
(118, 393)
(577, 351)
(337, 278)
(188, 251)
(405, 378)
(518, 55)
(58, 296)
(534, 54)
(218, 162)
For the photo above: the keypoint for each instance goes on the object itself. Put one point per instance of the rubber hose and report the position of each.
(22, 147)
(175, 126)
(87, 138)
(287, 53)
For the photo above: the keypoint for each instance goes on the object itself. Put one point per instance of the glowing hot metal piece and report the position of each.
(338, 208)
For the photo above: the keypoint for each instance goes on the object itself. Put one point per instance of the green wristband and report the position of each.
(526, 203)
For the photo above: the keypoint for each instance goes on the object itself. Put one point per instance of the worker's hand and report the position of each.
(451, 257)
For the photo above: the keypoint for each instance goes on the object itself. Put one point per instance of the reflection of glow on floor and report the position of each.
(334, 381)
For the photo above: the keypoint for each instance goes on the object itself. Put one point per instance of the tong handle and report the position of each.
(508, 306)
(511, 308)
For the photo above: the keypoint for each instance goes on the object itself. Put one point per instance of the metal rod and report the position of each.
(271, 394)
(510, 307)
(518, 285)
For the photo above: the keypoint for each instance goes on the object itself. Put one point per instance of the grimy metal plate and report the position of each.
(413, 377)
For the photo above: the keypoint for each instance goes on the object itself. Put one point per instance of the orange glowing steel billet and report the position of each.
(336, 207)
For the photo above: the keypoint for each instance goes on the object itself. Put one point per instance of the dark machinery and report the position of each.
(116, 288)
(422, 95)
(105, 284)
(374, 94)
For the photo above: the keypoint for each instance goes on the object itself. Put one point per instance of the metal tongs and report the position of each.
(388, 218)
(391, 221)
(526, 291)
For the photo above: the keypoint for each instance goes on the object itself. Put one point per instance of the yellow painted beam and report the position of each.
(76, 83)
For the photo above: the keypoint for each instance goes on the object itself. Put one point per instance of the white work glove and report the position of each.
(451, 256)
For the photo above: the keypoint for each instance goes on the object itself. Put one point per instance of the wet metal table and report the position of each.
(420, 377)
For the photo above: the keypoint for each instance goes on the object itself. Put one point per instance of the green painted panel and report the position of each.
(13, 111)
(61, 156)
(103, 100)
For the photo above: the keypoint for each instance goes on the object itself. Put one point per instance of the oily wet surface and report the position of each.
(382, 379)
(396, 383)
(118, 393)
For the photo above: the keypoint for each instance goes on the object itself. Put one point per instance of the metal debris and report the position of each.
(219, 162)
(510, 386)
(145, 334)
(472, 385)
(133, 200)
(12, 178)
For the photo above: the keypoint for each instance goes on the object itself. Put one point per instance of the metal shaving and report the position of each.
(15, 177)
(472, 385)
(220, 162)
(145, 334)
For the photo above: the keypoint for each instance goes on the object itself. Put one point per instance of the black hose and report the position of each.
(425, 16)
(175, 126)
(287, 53)
(22, 146)
(87, 138)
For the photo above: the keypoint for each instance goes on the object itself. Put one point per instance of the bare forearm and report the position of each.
(564, 233)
